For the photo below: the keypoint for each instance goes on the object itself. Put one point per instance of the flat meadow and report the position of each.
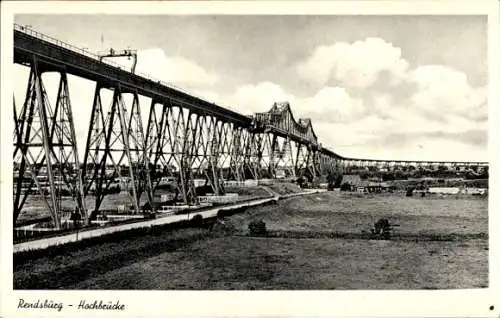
(313, 242)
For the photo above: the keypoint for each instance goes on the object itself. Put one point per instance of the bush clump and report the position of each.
(345, 187)
(223, 227)
(382, 228)
(409, 191)
(257, 228)
(197, 220)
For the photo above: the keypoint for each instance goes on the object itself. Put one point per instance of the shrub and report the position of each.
(345, 187)
(409, 191)
(382, 228)
(257, 228)
(334, 179)
(223, 227)
(197, 220)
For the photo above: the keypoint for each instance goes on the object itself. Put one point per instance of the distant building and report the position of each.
(368, 186)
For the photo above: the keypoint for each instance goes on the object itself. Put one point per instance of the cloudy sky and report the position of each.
(388, 87)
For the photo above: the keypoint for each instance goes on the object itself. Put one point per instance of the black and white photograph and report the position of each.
(246, 152)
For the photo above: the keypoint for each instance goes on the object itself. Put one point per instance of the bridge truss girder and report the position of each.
(45, 137)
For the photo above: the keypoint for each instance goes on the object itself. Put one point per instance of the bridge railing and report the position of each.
(47, 38)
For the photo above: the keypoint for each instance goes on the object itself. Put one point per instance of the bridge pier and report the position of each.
(45, 148)
(282, 156)
(237, 153)
(214, 148)
(258, 147)
(170, 137)
(117, 139)
(306, 162)
(251, 156)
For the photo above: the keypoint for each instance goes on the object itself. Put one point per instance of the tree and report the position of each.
(334, 179)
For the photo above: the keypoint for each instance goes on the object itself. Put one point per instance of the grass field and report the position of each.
(353, 213)
(263, 263)
(205, 259)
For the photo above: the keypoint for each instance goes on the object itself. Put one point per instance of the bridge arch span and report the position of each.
(281, 120)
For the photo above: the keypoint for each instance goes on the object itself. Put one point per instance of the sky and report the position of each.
(383, 87)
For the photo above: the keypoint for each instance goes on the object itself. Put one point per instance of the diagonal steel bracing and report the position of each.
(251, 155)
(213, 171)
(282, 156)
(159, 144)
(260, 158)
(171, 142)
(115, 154)
(237, 153)
(306, 162)
(45, 151)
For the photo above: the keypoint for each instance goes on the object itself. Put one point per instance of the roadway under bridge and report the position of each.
(185, 138)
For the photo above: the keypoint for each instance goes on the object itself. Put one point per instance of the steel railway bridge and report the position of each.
(185, 137)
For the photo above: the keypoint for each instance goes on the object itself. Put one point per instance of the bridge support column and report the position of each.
(213, 172)
(119, 139)
(252, 155)
(266, 159)
(188, 129)
(45, 148)
(172, 137)
(305, 162)
(260, 155)
(315, 165)
(268, 156)
(237, 154)
(157, 141)
(282, 156)
(225, 150)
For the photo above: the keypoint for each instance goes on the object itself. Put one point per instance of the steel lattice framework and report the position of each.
(184, 139)
(45, 141)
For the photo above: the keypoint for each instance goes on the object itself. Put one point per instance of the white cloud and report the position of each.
(260, 97)
(446, 91)
(176, 70)
(330, 104)
(373, 127)
(355, 64)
